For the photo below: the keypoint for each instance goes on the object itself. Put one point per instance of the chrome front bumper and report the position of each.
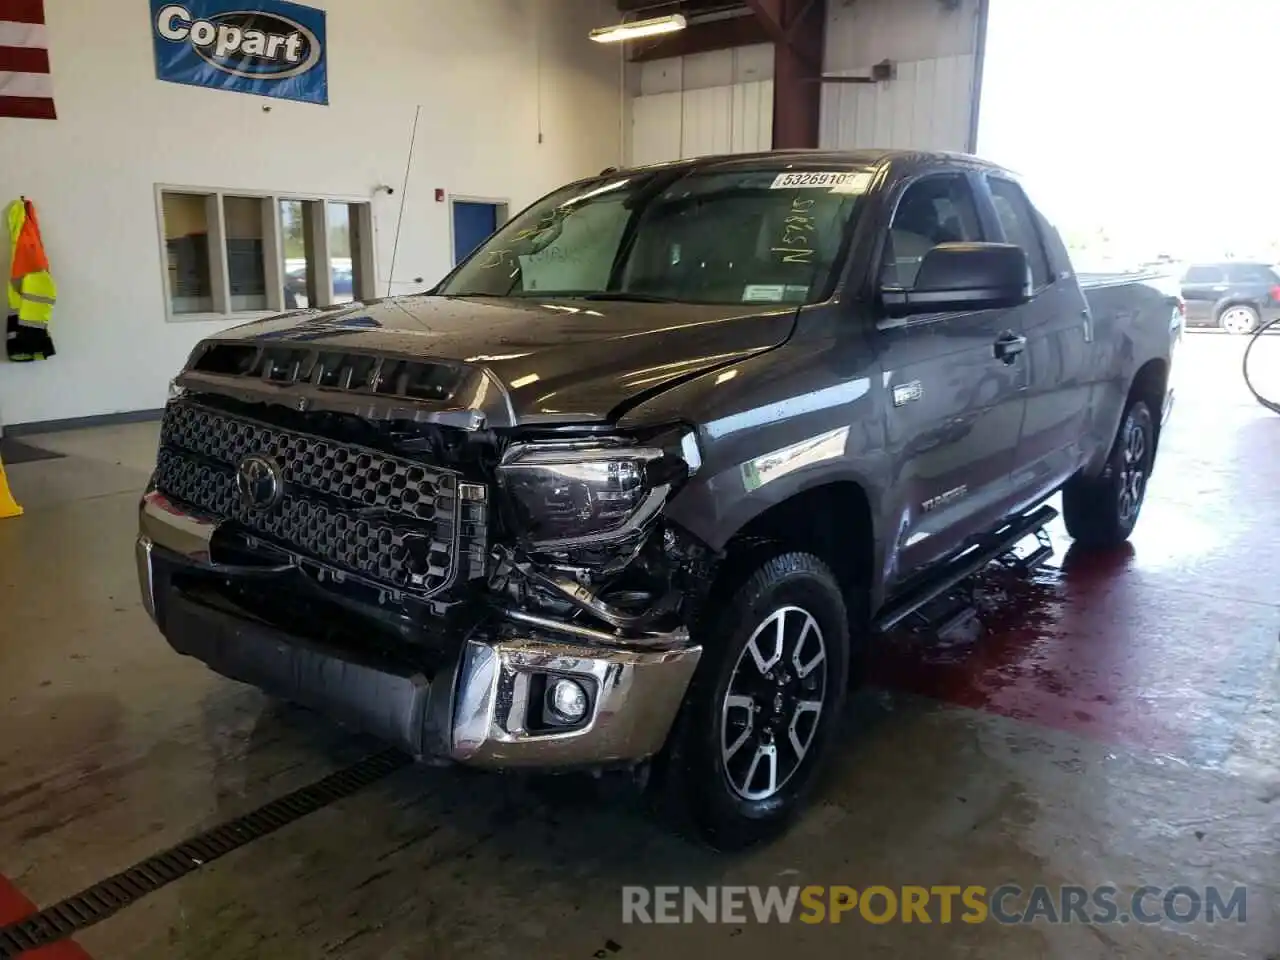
(474, 711)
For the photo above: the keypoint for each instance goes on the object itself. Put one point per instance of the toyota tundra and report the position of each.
(639, 482)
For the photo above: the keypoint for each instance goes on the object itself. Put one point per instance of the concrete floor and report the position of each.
(1117, 722)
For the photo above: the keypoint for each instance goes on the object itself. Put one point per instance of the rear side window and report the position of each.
(1251, 273)
(1203, 274)
(934, 210)
(1019, 224)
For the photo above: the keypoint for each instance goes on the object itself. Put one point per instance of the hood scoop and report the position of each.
(369, 385)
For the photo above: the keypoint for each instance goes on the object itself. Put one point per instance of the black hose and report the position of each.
(1271, 405)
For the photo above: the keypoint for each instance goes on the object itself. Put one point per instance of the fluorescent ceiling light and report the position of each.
(639, 28)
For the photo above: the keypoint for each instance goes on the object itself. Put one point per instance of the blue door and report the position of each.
(473, 224)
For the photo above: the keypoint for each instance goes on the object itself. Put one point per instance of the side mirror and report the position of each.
(964, 276)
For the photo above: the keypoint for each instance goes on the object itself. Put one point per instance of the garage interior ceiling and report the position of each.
(795, 25)
(795, 28)
(712, 25)
(655, 8)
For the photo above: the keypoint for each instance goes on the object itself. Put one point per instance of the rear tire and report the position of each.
(1102, 511)
(763, 706)
(1239, 318)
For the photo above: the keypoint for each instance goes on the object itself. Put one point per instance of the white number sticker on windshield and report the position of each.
(836, 181)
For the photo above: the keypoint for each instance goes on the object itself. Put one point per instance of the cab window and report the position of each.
(937, 209)
(1019, 225)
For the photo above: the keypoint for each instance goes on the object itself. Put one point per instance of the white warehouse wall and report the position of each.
(928, 106)
(485, 73)
(705, 103)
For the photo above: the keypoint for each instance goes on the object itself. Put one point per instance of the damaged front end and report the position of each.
(589, 553)
(535, 614)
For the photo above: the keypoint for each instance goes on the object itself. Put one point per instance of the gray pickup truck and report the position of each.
(637, 484)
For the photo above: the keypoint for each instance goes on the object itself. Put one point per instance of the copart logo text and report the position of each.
(244, 43)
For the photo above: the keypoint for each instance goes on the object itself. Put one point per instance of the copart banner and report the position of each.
(269, 48)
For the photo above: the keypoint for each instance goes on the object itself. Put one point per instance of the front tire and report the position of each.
(1239, 319)
(1102, 511)
(763, 706)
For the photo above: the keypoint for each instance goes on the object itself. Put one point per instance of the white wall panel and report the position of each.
(929, 104)
(712, 69)
(753, 63)
(655, 128)
(752, 117)
(707, 121)
(927, 107)
(659, 76)
(861, 32)
(718, 102)
(695, 123)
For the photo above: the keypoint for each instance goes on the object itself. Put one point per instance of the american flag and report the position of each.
(26, 88)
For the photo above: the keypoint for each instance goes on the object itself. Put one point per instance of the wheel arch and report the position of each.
(1150, 384)
(833, 520)
(1222, 306)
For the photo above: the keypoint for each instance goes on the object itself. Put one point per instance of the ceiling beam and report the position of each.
(789, 22)
(769, 13)
(702, 38)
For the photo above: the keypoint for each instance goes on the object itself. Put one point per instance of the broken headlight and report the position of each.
(567, 494)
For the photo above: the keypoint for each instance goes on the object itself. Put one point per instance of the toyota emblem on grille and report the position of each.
(259, 482)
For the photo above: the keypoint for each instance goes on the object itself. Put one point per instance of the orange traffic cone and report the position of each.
(8, 506)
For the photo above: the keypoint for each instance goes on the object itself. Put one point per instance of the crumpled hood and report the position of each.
(560, 360)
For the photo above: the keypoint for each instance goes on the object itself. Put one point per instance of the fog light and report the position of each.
(567, 701)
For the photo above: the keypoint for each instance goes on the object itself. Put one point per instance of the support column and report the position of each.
(798, 29)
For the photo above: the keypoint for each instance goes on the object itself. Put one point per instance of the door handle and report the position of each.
(1008, 345)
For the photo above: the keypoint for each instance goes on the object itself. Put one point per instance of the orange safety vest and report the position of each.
(32, 292)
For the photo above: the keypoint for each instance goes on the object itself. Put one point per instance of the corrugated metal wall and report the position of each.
(929, 105)
(720, 102)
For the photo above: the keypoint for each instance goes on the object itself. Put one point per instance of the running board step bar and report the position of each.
(1042, 552)
(993, 547)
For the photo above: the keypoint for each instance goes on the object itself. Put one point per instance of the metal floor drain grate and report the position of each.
(112, 895)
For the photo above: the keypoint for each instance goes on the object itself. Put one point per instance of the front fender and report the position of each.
(717, 507)
(773, 426)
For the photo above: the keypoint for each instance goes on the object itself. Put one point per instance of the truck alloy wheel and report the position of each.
(1132, 469)
(764, 705)
(1239, 319)
(1100, 512)
(774, 703)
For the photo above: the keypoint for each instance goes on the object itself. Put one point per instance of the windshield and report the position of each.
(747, 236)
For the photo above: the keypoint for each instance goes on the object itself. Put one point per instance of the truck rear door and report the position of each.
(1060, 343)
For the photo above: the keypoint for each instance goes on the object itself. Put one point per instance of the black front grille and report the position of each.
(328, 369)
(383, 517)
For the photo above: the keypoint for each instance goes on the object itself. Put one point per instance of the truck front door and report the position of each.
(954, 389)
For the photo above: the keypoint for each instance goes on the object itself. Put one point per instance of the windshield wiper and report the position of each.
(625, 296)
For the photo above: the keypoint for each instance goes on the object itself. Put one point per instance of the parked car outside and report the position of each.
(1238, 296)
(295, 284)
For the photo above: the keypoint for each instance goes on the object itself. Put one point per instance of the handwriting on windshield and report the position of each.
(547, 223)
(796, 243)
